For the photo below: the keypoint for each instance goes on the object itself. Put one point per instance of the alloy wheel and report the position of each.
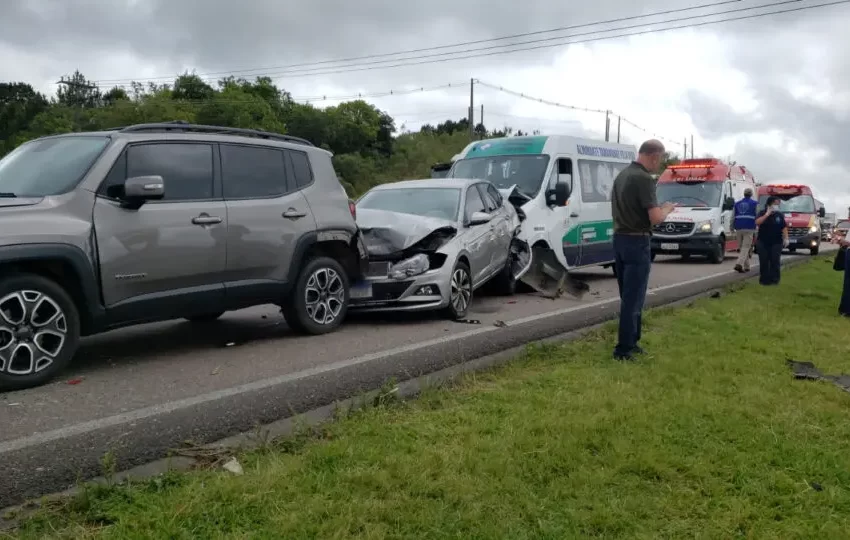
(461, 290)
(324, 296)
(33, 331)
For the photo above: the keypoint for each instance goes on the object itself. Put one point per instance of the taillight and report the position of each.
(353, 209)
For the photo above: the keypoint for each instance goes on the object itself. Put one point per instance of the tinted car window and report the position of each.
(301, 169)
(252, 172)
(186, 168)
(473, 202)
(494, 193)
(489, 201)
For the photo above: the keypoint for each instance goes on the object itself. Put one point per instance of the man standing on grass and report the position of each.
(745, 226)
(635, 210)
(772, 238)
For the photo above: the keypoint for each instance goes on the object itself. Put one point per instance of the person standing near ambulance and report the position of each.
(745, 227)
(772, 238)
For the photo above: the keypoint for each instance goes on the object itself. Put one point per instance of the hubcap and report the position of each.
(461, 290)
(33, 330)
(324, 296)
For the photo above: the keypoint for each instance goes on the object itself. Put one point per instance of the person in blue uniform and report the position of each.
(745, 228)
(772, 239)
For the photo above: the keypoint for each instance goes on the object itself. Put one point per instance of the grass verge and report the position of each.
(709, 437)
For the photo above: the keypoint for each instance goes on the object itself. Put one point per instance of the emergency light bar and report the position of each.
(785, 189)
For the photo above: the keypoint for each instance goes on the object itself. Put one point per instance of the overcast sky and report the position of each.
(772, 93)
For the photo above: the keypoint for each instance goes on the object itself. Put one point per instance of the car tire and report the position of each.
(206, 317)
(38, 319)
(814, 251)
(460, 292)
(717, 254)
(319, 300)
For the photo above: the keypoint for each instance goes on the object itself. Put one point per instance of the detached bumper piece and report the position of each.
(549, 278)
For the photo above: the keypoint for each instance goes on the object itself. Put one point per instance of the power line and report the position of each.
(572, 108)
(477, 53)
(442, 47)
(388, 93)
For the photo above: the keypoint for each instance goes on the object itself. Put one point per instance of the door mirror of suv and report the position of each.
(729, 203)
(140, 189)
(822, 212)
(562, 189)
(480, 218)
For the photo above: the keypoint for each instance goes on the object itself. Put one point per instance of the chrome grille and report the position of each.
(673, 228)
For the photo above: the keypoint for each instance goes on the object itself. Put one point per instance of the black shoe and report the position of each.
(630, 357)
(638, 350)
(739, 269)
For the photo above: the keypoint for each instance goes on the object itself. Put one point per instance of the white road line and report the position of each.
(154, 410)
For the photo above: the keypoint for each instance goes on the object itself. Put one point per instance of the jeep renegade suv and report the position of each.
(152, 222)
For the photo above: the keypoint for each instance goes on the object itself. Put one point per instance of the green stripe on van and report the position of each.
(592, 232)
(509, 146)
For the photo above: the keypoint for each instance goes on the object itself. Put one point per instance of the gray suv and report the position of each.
(152, 222)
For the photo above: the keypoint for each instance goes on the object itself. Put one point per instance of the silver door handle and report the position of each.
(294, 214)
(206, 220)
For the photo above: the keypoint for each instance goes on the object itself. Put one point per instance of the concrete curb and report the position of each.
(138, 440)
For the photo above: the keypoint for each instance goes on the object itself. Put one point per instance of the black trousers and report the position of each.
(769, 263)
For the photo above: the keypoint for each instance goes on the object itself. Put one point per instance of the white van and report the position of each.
(563, 186)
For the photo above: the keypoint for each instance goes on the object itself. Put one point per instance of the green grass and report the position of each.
(710, 437)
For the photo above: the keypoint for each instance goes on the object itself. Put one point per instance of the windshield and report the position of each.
(48, 166)
(443, 203)
(802, 204)
(527, 172)
(696, 194)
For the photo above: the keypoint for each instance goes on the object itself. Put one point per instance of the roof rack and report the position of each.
(186, 127)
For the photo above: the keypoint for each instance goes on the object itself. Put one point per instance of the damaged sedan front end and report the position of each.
(430, 246)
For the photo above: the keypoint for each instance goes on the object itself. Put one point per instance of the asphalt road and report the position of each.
(140, 391)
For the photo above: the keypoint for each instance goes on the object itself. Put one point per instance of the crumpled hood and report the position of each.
(387, 232)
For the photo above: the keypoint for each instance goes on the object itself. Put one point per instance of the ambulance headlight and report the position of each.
(813, 228)
(705, 226)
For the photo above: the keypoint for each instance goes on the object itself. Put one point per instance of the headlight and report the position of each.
(813, 228)
(705, 226)
(410, 267)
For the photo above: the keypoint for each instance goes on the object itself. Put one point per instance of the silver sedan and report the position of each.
(432, 243)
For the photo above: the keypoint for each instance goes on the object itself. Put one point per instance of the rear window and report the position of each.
(51, 166)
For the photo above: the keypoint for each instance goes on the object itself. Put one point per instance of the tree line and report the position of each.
(367, 148)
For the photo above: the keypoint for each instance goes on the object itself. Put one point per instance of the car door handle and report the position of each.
(574, 214)
(292, 213)
(204, 219)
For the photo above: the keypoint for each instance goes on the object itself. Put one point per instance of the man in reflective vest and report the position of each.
(745, 226)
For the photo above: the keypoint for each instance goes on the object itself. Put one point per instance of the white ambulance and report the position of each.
(562, 185)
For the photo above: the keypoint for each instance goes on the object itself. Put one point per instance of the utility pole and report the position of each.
(481, 121)
(692, 145)
(607, 126)
(619, 122)
(686, 149)
(471, 109)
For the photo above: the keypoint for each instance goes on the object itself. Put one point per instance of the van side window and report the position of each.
(597, 179)
(562, 166)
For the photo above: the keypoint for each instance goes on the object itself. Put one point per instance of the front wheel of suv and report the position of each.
(39, 331)
(319, 300)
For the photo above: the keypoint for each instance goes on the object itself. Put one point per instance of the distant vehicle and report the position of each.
(152, 222)
(841, 230)
(433, 243)
(801, 214)
(705, 191)
(562, 185)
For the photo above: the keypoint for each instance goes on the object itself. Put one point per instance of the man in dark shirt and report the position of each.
(772, 237)
(635, 210)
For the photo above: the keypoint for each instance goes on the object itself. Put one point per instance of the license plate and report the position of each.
(793, 241)
(670, 247)
(361, 290)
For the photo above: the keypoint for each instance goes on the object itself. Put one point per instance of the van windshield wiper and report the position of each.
(8, 195)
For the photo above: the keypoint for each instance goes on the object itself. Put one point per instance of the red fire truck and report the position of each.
(802, 214)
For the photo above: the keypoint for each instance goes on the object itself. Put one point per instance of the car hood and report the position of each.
(387, 232)
(8, 202)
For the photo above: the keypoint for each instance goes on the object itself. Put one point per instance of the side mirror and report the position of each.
(822, 212)
(479, 218)
(141, 189)
(729, 203)
(562, 189)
